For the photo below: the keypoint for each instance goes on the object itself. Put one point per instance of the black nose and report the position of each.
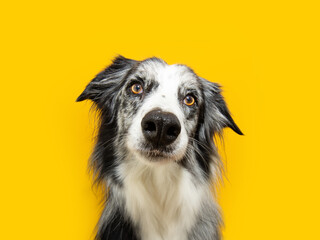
(160, 128)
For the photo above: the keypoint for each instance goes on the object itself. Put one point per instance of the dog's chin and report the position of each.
(158, 155)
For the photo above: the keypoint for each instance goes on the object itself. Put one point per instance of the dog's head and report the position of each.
(159, 110)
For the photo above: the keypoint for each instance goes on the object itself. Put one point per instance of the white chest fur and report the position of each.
(162, 200)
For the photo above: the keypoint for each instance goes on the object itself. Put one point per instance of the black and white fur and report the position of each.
(157, 192)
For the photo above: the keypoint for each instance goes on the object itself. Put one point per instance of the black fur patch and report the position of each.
(103, 90)
(118, 228)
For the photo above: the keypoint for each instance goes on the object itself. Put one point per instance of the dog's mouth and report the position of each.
(157, 154)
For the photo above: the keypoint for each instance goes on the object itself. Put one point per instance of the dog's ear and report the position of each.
(216, 114)
(105, 85)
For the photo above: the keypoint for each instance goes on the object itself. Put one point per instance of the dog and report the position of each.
(155, 151)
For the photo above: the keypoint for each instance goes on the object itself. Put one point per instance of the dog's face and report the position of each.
(158, 110)
(163, 111)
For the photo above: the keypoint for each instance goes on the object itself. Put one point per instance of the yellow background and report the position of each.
(264, 53)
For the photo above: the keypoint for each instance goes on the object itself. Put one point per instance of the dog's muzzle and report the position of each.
(160, 128)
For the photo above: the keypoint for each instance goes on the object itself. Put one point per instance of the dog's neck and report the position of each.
(162, 199)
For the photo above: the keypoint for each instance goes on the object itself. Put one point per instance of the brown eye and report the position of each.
(189, 100)
(137, 88)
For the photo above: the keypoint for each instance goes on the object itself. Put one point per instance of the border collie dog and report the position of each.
(155, 151)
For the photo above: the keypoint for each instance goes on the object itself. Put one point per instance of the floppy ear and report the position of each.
(216, 114)
(103, 88)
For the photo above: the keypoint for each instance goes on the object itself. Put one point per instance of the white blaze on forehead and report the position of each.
(170, 78)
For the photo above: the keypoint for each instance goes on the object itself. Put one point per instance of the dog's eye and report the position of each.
(137, 88)
(189, 100)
